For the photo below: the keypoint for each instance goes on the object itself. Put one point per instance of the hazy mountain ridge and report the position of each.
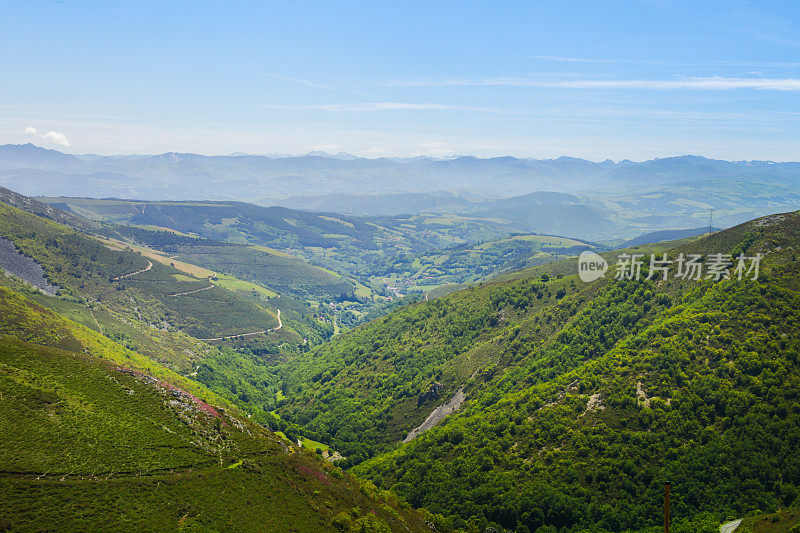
(269, 179)
(611, 199)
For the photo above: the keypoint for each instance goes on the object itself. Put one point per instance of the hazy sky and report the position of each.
(628, 79)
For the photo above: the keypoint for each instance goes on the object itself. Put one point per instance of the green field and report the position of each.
(237, 285)
(784, 521)
(471, 263)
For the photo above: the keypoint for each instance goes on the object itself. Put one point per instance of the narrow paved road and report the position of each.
(730, 527)
(149, 266)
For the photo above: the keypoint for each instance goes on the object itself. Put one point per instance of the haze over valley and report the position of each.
(419, 267)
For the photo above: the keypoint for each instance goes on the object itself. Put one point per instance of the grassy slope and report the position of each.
(266, 266)
(241, 375)
(299, 319)
(85, 268)
(525, 450)
(277, 271)
(87, 446)
(25, 320)
(787, 521)
(139, 313)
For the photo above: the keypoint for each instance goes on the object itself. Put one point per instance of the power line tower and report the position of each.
(711, 221)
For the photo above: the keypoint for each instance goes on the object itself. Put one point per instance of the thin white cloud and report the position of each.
(713, 83)
(727, 63)
(54, 137)
(298, 81)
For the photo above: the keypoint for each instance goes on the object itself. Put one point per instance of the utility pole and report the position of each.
(666, 506)
(711, 221)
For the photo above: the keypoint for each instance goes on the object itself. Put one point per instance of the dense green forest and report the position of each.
(571, 403)
(581, 399)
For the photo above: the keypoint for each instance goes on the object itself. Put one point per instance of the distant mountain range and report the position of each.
(565, 196)
(179, 176)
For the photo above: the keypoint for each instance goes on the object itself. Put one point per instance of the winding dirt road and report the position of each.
(276, 328)
(149, 266)
(194, 291)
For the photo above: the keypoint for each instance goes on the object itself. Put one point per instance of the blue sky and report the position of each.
(628, 79)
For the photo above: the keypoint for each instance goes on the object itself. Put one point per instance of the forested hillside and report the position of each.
(530, 401)
(581, 399)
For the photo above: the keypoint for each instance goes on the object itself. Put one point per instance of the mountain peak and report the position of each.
(31, 156)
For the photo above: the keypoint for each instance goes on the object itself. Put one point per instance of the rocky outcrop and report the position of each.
(438, 415)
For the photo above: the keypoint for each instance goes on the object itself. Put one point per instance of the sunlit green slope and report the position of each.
(581, 399)
(95, 437)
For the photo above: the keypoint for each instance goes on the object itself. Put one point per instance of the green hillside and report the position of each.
(343, 243)
(86, 268)
(787, 521)
(469, 263)
(162, 311)
(92, 441)
(528, 402)
(361, 263)
(580, 399)
(268, 267)
(280, 272)
(170, 284)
